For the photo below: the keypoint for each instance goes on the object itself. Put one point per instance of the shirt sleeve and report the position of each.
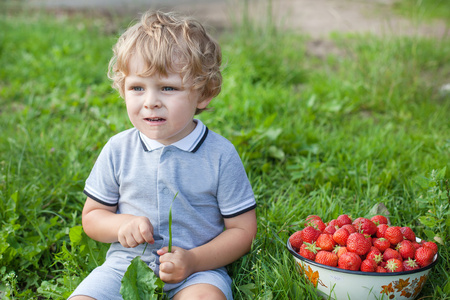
(102, 185)
(235, 195)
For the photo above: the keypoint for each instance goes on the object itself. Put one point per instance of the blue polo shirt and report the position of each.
(142, 177)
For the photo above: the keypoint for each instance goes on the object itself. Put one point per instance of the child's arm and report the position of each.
(227, 247)
(101, 223)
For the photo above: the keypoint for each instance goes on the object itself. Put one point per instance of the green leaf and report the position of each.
(427, 221)
(76, 235)
(430, 234)
(440, 175)
(139, 281)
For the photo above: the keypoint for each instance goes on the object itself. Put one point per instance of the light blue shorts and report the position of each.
(104, 282)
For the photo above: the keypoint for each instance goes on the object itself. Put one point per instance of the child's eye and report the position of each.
(168, 89)
(137, 88)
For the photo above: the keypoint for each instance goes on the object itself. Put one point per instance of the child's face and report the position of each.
(161, 107)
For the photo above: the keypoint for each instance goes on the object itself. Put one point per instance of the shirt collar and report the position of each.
(190, 143)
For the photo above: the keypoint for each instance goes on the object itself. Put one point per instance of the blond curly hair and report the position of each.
(168, 42)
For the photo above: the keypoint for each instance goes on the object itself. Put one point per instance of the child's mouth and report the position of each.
(154, 120)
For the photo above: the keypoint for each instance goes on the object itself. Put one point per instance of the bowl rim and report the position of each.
(335, 269)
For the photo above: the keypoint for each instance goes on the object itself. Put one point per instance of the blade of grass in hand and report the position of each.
(170, 224)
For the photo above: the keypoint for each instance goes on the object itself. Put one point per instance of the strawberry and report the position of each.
(375, 255)
(432, 245)
(406, 249)
(381, 243)
(368, 265)
(325, 242)
(343, 220)
(341, 235)
(380, 269)
(309, 234)
(381, 229)
(410, 264)
(394, 235)
(296, 240)
(424, 256)
(311, 217)
(379, 219)
(308, 250)
(327, 258)
(349, 261)
(368, 237)
(394, 265)
(333, 223)
(339, 250)
(358, 244)
(365, 226)
(390, 253)
(417, 245)
(350, 228)
(329, 229)
(317, 224)
(408, 233)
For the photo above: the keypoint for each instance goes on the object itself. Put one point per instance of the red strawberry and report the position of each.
(365, 226)
(308, 250)
(341, 235)
(381, 229)
(406, 249)
(327, 258)
(408, 233)
(410, 264)
(368, 265)
(311, 217)
(358, 244)
(349, 261)
(339, 250)
(379, 219)
(343, 220)
(417, 245)
(333, 223)
(325, 242)
(381, 243)
(432, 245)
(380, 269)
(375, 255)
(390, 253)
(350, 228)
(424, 256)
(329, 229)
(394, 265)
(317, 224)
(296, 240)
(309, 234)
(394, 235)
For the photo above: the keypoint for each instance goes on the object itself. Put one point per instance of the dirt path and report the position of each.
(317, 18)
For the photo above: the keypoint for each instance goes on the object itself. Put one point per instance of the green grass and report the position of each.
(317, 135)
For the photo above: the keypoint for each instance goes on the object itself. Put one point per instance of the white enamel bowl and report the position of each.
(339, 284)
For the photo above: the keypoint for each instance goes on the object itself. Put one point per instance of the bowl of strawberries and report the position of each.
(362, 258)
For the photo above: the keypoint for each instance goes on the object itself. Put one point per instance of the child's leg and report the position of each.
(200, 291)
(212, 284)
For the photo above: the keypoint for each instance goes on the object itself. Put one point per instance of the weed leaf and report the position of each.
(139, 281)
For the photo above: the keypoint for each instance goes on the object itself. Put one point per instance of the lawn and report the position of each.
(366, 124)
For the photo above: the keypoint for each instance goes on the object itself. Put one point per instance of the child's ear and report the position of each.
(202, 104)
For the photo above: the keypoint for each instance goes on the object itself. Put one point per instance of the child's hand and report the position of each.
(135, 231)
(176, 265)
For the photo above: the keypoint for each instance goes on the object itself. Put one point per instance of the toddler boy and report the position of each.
(167, 68)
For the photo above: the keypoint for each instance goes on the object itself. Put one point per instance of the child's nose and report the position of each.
(152, 101)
